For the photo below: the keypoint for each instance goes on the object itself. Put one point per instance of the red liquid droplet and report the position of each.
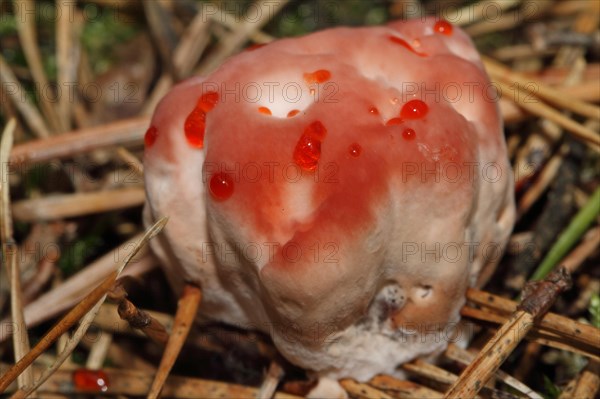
(308, 149)
(407, 46)
(194, 127)
(221, 186)
(409, 134)
(264, 110)
(355, 150)
(255, 46)
(150, 136)
(90, 380)
(292, 113)
(320, 76)
(414, 109)
(373, 111)
(443, 27)
(394, 121)
(208, 101)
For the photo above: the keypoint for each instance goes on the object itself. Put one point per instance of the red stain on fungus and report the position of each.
(90, 380)
(308, 149)
(414, 109)
(150, 136)
(221, 186)
(319, 76)
(255, 46)
(443, 27)
(374, 111)
(394, 122)
(208, 101)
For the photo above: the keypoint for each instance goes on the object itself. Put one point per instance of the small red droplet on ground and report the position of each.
(319, 76)
(355, 149)
(394, 122)
(194, 127)
(264, 110)
(221, 186)
(90, 380)
(150, 136)
(292, 113)
(414, 109)
(409, 134)
(443, 27)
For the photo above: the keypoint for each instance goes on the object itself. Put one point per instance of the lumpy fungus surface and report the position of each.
(341, 186)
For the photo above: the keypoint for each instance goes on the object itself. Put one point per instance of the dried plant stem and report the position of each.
(358, 390)
(87, 309)
(579, 131)
(125, 132)
(462, 356)
(78, 204)
(269, 384)
(538, 297)
(30, 113)
(586, 385)
(403, 389)
(9, 256)
(186, 312)
(539, 89)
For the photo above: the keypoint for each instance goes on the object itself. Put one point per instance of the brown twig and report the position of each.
(269, 384)
(78, 204)
(403, 389)
(538, 297)
(586, 385)
(358, 390)
(186, 312)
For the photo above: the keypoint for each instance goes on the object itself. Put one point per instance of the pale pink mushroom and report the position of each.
(339, 191)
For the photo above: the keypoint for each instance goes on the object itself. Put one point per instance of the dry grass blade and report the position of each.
(125, 132)
(541, 90)
(27, 35)
(358, 390)
(30, 113)
(87, 309)
(464, 357)
(538, 297)
(9, 255)
(586, 385)
(187, 309)
(135, 383)
(269, 384)
(131, 160)
(430, 371)
(551, 322)
(521, 98)
(403, 389)
(78, 204)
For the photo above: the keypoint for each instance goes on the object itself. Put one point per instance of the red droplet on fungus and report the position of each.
(292, 113)
(255, 46)
(150, 136)
(308, 149)
(264, 110)
(319, 76)
(409, 134)
(221, 186)
(443, 27)
(374, 111)
(208, 101)
(194, 127)
(403, 43)
(90, 380)
(414, 109)
(355, 149)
